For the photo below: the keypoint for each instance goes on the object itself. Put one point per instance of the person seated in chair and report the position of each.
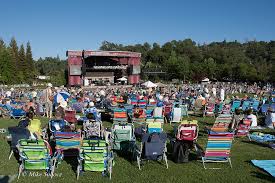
(252, 117)
(270, 118)
(34, 127)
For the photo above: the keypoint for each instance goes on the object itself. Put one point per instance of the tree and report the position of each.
(14, 59)
(22, 65)
(30, 63)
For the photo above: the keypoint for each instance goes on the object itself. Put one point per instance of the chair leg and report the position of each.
(53, 168)
(165, 159)
(10, 154)
(229, 160)
(20, 171)
(203, 163)
(138, 162)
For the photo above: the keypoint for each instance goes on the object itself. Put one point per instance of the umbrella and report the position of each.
(149, 84)
(61, 97)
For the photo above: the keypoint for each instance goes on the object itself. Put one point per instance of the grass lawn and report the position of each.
(124, 171)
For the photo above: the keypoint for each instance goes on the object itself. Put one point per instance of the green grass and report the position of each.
(124, 171)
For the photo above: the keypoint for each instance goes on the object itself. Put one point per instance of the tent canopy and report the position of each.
(122, 79)
(205, 80)
(149, 84)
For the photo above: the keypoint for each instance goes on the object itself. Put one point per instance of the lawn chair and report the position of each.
(222, 123)
(246, 105)
(17, 113)
(16, 134)
(154, 127)
(176, 115)
(70, 116)
(158, 114)
(34, 155)
(66, 143)
(95, 156)
(184, 110)
(120, 115)
(255, 106)
(235, 105)
(264, 108)
(153, 147)
(92, 129)
(142, 103)
(123, 138)
(218, 148)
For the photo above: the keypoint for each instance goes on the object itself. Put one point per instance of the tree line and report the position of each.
(252, 61)
(16, 63)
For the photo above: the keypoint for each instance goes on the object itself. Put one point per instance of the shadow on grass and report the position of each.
(263, 176)
(256, 143)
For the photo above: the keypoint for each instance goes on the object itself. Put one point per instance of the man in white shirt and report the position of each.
(222, 94)
(49, 103)
(252, 117)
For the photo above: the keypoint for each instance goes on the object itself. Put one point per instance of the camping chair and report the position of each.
(255, 106)
(120, 115)
(222, 123)
(158, 114)
(142, 103)
(149, 110)
(17, 113)
(246, 105)
(96, 156)
(176, 115)
(122, 137)
(70, 116)
(235, 105)
(34, 155)
(218, 148)
(93, 129)
(65, 141)
(264, 108)
(184, 109)
(154, 127)
(17, 133)
(153, 147)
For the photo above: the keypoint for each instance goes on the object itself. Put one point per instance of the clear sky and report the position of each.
(54, 26)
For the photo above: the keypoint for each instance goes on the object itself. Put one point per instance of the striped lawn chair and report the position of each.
(154, 127)
(66, 143)
(218, 148)
(142, 103)
(95, 156)
(120, 115)
(34, 155)
(222, 123)
(149, 110)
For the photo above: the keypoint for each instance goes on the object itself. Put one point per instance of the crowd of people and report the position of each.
(43, 101)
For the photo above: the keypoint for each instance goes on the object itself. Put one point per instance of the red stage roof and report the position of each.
(88, 53)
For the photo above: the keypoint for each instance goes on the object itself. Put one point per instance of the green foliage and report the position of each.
(184, 59)
(53, 67)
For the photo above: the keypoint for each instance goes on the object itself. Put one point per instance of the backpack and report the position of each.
(181, 151)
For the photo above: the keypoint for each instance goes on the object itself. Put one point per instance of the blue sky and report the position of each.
(54, 26)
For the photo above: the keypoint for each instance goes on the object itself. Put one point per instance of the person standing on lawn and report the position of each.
(49, 101)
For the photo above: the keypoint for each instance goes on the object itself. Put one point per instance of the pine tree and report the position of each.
(6, 70)
(30, 63)
(23, 70)
(14, 59)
